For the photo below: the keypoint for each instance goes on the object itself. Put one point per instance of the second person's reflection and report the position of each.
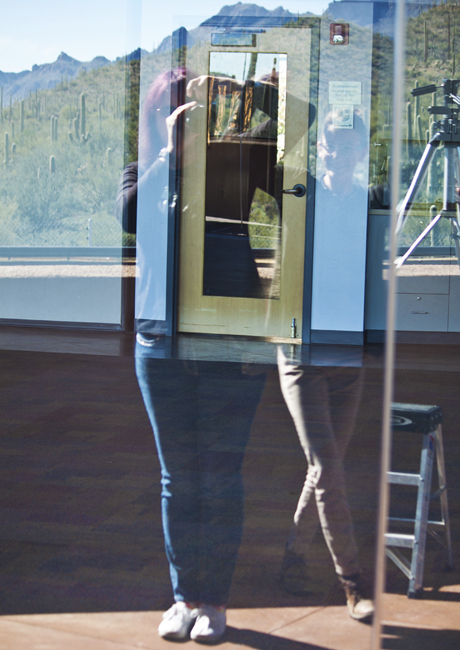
(323, 402)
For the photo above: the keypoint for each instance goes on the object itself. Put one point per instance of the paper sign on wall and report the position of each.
(345, 92)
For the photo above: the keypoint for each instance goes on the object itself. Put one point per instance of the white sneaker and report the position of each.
(210, 624)
(177, 622)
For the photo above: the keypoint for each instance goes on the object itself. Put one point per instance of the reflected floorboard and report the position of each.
(81, 548)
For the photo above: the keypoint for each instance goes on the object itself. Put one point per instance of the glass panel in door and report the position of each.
(243, 206)
(242, 235)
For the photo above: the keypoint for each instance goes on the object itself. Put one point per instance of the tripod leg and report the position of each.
(450, 181)
(400, 261)
(419, 175)
(450, 204)
(450, 192)
(456, 236)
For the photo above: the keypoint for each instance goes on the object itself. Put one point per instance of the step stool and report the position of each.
(425, 420)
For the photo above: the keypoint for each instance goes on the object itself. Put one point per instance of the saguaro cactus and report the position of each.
(409, 129)
(84, 136)
(7, 149)
(54, 128)
(417, 109)
(453, 48)
(431, 175)
(76, 127)
(425, 49)
(82, 114)
(433, 211)
(52, 165)
(448, 36)
(22, 115)
(419, 130)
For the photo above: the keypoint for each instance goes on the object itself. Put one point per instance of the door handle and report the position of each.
(298, 190)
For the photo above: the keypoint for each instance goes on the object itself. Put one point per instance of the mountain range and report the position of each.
(48, 75)
(240, 15)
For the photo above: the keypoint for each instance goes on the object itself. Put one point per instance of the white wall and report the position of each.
(152, 240)
(64, 299)
(339, 261)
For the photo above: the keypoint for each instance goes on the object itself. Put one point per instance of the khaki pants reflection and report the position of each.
(323, 403)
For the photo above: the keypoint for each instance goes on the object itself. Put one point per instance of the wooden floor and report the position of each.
(81, 547)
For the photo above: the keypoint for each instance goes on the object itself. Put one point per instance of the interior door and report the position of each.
(242, 200)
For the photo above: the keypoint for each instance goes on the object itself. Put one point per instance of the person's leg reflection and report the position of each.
(228, 400)
(201, 414)
(323, 403)
(169, 390)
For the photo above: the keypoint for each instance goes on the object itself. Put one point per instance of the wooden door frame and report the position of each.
(172, 289)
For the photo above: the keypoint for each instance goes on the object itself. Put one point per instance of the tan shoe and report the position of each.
(359, 607)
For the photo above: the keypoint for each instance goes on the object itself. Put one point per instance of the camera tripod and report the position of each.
(448, 132)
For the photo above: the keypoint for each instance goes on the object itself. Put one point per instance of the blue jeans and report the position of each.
(201, 414)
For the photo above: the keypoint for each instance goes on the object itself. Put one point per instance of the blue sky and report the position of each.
(36, 32)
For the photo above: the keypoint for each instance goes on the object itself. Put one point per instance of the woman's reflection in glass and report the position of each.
(200, 411)
(323, 403)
